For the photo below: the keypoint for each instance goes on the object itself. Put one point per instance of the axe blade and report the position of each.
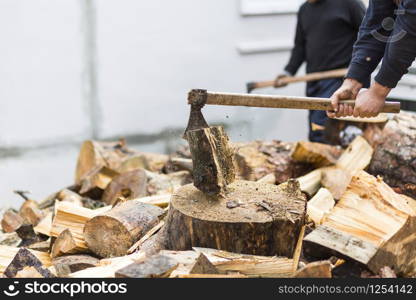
(250, 87)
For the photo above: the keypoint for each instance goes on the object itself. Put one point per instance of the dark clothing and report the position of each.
(325, 34)
(396, 47)
(320, 89)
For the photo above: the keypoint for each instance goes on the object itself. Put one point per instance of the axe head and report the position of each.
(251, 86)
(197, 99)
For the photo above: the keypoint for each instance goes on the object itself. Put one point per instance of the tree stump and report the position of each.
(252, 218)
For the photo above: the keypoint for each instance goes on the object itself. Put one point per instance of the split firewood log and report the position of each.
(394, 158)
(249, 265)
(162, 184)
(68, 264)
(157, 266)
(43, 246)
(318, 269)
(108, 267)
(7, 254)
(26, 258)
(213, 167)
(130, 185)
(114, 232)
(257, 159)
(45, 226)
(29, 210)
(311, 182)
(11, 221)
(176, 164)
(69, 216)
(69, 196)
(190, 262)
(65, 244)
(152, 162)
(96, 181)
(342, 131)
(320, 205)
(95, 155)
(30, 272)
(371, 224)
(251, 218)
(317, 154)
(10, 239)
(354, 159)
(270, 179)
(28, 235)
(158, 200)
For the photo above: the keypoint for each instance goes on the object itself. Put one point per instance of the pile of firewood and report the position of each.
(216, 209)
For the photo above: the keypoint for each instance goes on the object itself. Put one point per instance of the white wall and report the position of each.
(150, 53)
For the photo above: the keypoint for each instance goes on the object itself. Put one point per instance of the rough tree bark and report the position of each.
(395, 157)
(212, 159)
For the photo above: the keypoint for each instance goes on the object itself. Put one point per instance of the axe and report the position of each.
(305, 78)
(199, 98)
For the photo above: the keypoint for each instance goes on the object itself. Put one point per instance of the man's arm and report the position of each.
(401, 47)
(367, 54)
(369, 50)
(298, 52)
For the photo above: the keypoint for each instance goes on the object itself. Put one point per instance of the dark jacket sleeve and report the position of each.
(357, 12)
(371, 43)
(298, 55)
(401, 47)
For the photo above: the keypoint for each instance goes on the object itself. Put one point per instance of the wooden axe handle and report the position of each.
(305, 78)
(272, 101)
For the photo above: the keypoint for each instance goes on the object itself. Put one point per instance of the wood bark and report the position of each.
(24, 258)
(394, 158)
(370, 224)
(252, 218)
(68, 264)
(108, 267)
(157, 266)
(114, 232)
(212, 158)
(7, 254)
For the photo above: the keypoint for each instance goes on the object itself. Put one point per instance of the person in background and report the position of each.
(325, 34)
(388, 33)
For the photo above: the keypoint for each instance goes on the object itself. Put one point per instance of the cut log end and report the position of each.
(113, 233)
(252, 218)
